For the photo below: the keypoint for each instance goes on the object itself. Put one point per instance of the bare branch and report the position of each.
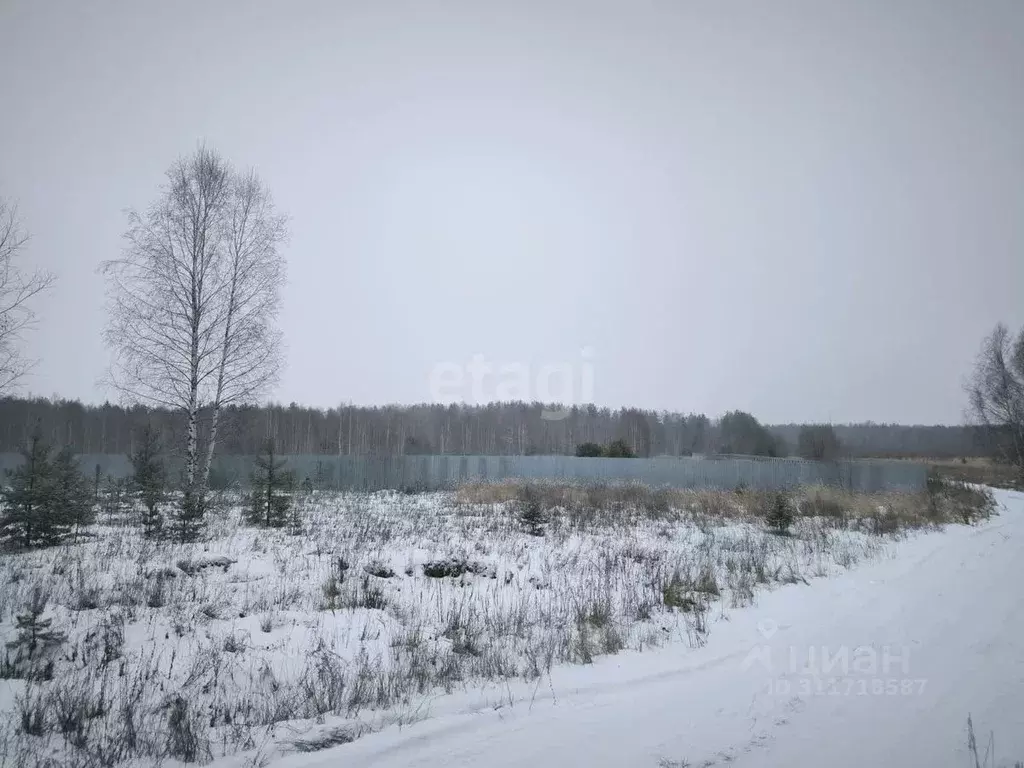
(17, 289)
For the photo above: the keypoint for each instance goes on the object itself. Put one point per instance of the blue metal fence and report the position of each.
(372, 473)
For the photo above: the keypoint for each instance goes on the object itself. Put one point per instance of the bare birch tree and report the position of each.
(17, 289)
(996, 391)
(194, 299)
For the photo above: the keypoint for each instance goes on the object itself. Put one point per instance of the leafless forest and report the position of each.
(496, 429)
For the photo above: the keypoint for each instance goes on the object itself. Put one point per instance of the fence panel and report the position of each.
(438, 472)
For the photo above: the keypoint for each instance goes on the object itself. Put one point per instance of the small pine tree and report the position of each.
(190, 519)
(531, 513)
(70, 500)
(322, 475)
(115, 499)
(270, 498)
(25, 514)
(589, 450)
(283, 501)
(35, 635)
(779, 517)
(295, 520)
(149, 481)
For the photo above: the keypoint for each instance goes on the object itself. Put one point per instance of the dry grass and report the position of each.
(488, 493)
(580, 504)
(983, 756)
(599, 497)
(977, 471)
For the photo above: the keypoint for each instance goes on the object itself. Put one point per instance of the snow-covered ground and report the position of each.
(879, 666)
(436, 630)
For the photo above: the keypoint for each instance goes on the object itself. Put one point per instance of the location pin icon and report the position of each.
(767, 628)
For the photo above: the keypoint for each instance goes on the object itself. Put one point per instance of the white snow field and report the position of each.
(643, 628)
(932, 634)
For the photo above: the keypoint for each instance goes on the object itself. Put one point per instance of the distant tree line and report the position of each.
(494, 429)
(899, 441)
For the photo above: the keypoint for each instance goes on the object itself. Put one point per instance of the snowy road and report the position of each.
(877, 667)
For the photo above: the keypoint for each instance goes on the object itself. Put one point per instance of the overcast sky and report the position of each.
(808, 210)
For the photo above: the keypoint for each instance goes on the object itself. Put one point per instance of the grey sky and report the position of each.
(809, 210)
